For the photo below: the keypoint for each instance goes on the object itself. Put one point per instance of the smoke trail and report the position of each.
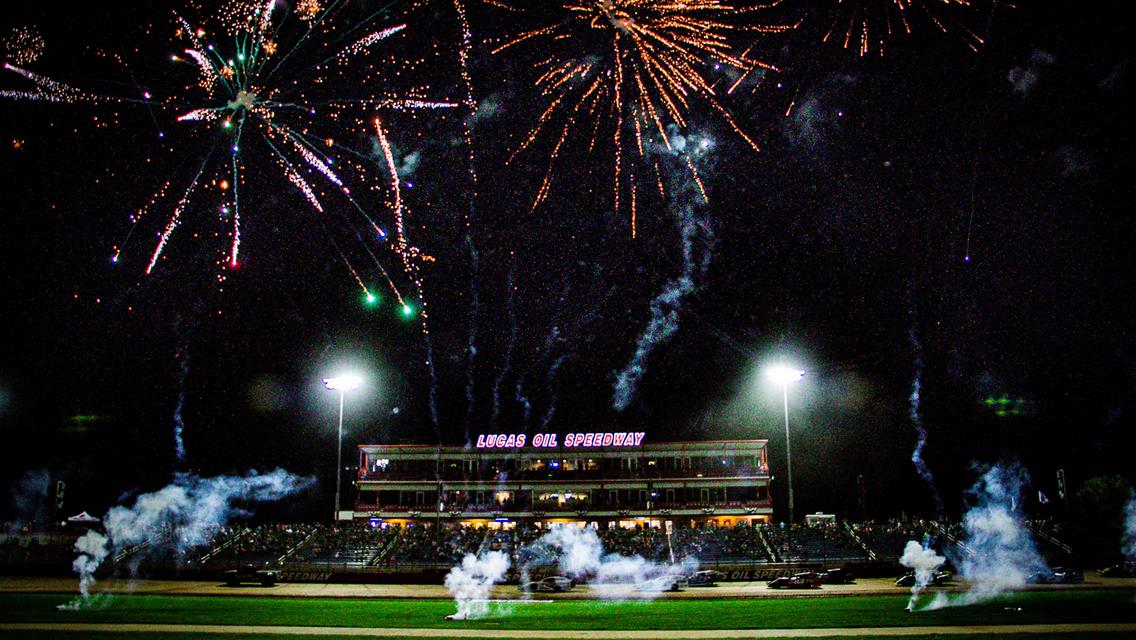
(666, 306)
(664, 318)
(580, 555)
(925, 562)
(1002, 552)
(471, 344)
(511, 311)
(182, 356)
(523, 400)
(1128, 538)
(916, 413)
(470, 583)
(432, 396)
(190, 505)
(550, 382)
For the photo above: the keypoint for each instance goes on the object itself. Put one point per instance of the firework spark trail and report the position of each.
(410, 256)
(369, 40)
(867, 26)
(137, 217)
(916, 414)
(48, 90)
(511, 313)
(471, 211)
(175, 219)
(646, 74)
(550, 383)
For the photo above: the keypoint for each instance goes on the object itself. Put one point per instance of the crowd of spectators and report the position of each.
(361, 545)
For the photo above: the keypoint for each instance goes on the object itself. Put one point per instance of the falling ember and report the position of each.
(307, 10)
(610, 67)
(23, 45)
(869, 26)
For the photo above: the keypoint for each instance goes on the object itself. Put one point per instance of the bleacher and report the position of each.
(361, 547)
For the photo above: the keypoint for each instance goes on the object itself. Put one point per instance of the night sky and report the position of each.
(937, 213)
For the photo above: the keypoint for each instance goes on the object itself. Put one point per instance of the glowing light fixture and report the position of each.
(783, 376)
(342, 384)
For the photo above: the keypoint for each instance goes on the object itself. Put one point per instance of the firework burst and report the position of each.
(629, 70)
(23, 45)
(272, 88)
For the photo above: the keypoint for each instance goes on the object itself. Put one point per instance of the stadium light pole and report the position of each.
(783, 375)
(342, 384)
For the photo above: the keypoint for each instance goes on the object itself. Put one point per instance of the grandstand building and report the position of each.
(601, 479)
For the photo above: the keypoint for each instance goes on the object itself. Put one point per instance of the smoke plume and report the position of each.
(580, 555)
(916, 413)
(179, 422)
(925, 562)
(1128, 541)
(999, 552)
(470, 583)
(191, 506)
(665, 307)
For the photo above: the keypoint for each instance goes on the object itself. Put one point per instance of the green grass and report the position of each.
(1047, 607)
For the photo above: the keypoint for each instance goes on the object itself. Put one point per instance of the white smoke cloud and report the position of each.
(1000, 552)
(925, 562)
(470, 583)
(192, 506)
(580, 554)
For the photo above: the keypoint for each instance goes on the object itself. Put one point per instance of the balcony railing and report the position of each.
(574, 507)
(546, 474)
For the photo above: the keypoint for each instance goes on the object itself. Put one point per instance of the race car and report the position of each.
(1056, 575)
(837, 575)
(1126, 569)
(705, 578)
(804, 580)
(251, 573)
(551, 584)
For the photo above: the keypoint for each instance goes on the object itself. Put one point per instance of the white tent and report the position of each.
(83, 518)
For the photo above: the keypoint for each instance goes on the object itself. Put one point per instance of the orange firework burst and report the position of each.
(631, 69)
(867, 25)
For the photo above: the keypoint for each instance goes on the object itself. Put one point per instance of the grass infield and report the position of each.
(1049, 607)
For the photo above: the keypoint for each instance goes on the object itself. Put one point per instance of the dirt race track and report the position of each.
(757, 589)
